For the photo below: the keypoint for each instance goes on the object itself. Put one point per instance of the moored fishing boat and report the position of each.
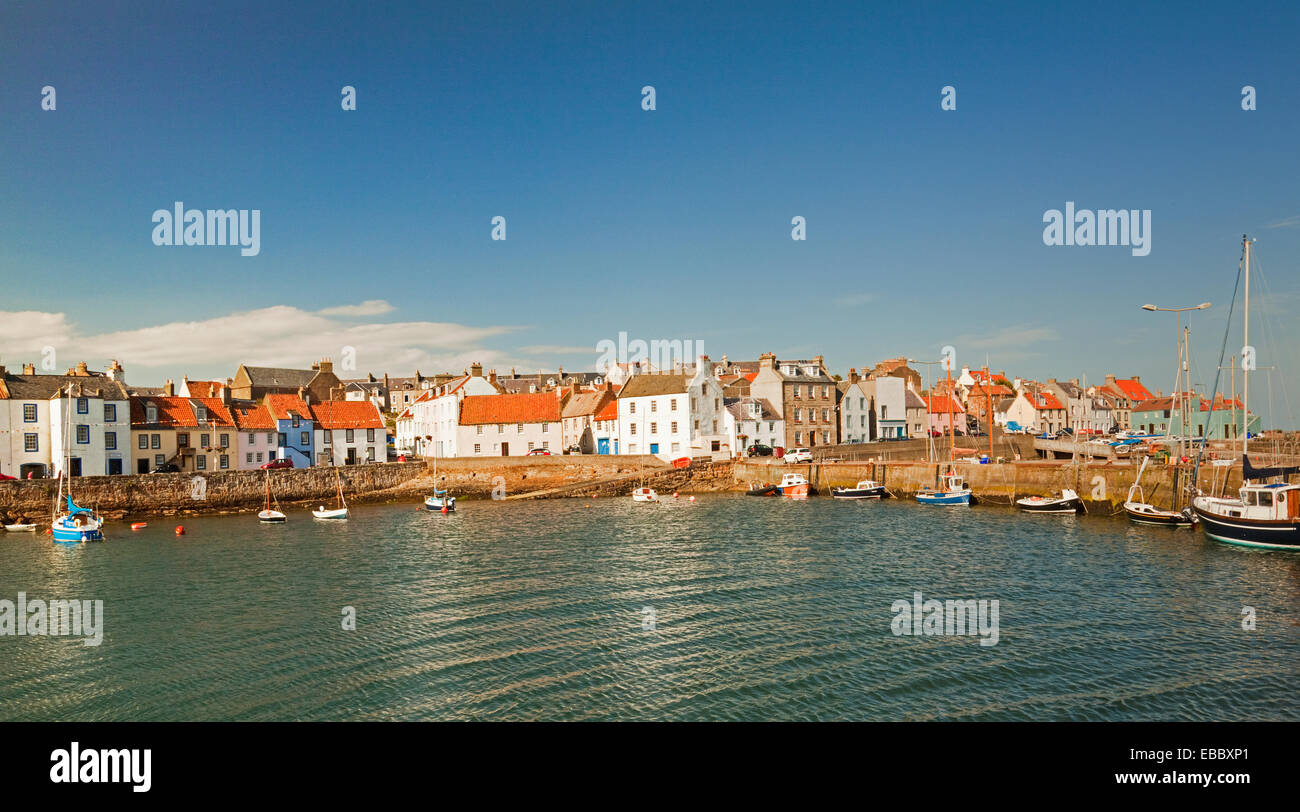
(865, 489)
(1264, 514)
(645, 495)
(1067, 502)
(794, 486)
(952, 490)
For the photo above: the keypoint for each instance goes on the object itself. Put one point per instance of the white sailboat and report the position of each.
(271, 515)
(440, 501)
(339, 512)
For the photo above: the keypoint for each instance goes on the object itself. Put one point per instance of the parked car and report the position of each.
(1065, 432)
(759, 450)
(539, 452)
(6, 476)
(283, 462)
(799, 455)
(166, 468)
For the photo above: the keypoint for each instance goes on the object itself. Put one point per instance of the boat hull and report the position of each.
(340, 513)
(439, 502)
(794, 491)
(64, 535)
(768, 490)
(1158, 518)
(944, 498)
(1050, 505)
(1267, 535)
(271, 517)
(858, 493)
(20, 528)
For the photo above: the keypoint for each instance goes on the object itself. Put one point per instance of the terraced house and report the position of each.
(191, 434)
(806, 395)
(349, 432)
(35, 410)
(295, 428)
(509, 425)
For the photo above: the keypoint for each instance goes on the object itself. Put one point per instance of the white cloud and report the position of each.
(281, 335)
(1289, 222)
(370, 307)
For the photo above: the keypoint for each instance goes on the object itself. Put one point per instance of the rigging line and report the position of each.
(1218, 373)
(1272, 341)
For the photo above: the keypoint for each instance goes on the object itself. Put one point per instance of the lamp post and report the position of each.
(1182, 365)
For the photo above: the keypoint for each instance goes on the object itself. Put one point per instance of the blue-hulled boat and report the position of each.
(77, 525)
(952, 490)
(440, 501)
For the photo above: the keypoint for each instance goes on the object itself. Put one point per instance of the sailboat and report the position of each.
(340, 512)
(643, 493)
(440, 501)
(269, 515)
(1264, 514)
(1140, 511)
(952, 489)
(74, 525)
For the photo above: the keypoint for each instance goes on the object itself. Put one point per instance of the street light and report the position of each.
(1182, 363)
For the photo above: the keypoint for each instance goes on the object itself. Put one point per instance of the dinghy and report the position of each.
(645, 495)
(270, 515)
(339, 512)
(20, 528)
(1067, 502)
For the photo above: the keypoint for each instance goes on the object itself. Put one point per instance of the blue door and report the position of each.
(654, 448)
(602, 445)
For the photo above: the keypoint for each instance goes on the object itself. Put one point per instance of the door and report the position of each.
(505, 449)
(352, 456)
(654, 448)
(74, 466)
(114, 467)
(142, 466)
(602, 446)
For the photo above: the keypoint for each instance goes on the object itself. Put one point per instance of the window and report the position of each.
(370, 435)
(519, 428)
(654, 406)
(252, 438)
(672, 404)
(155, 441)
(259, 456)
(248, 458)
(544, 427)
(158, 460)
(144, 441)
(631, 408)
(201, 462)
(225, 441)
(633, 427)
(205, 440)
(350, 435)
(110, 441)
(284, 440)
(83, 406)
(182, 439)
(796, 390)
(110, 412)
(674, 427)
(654, 427)
(83, 433)
(798, 437)
(546, 443)
(151, 413)
(530, 446)
(294, 422)
(329, 437)
(29, 412)
(270, 438)
(478, 429)
(201, 413)
(677, 447)
(304, 439)
(225, 461)
(31, 442)
(501, 428)
(477, 447)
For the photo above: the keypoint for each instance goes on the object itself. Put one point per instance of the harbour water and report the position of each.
(726, 608)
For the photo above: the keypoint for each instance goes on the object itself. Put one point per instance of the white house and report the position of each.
(856, 412)
(434, 427)
(708, 414)
(580, 420)
(509, 425)
(349, 432)
(33, 411)
(654, 415)
(751, 420)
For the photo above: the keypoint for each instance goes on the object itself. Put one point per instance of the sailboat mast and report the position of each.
(1245, 367)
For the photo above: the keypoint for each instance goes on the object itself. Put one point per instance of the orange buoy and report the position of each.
(180, 530)
(444, 510)
(692, 499)
(139, 525)
(674, 494)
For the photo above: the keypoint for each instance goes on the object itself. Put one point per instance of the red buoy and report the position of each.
(444, 510)
(139, 525)
(180, 530)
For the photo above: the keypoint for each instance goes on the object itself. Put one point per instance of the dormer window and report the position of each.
(201, 412)
(151, 413)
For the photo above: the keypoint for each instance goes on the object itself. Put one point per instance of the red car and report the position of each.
(6, 476)
(539, 452)
(283, 462)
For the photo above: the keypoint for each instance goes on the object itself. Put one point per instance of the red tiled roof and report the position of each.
(179, 412)
(539, 407)
(610, 412)
(937, 405)
(347, 414)
(985, 390)
(1045, 400)
(252, 416)
(205, 389)
(1133, 389)
(280, 405)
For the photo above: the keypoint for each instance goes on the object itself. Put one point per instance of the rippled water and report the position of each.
(763, 609)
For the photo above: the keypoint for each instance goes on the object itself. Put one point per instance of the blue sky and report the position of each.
(924, 226)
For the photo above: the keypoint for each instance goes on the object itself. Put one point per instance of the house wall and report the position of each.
(13, 453)
(508, 439)
(368, 445)
(640, 426)
(261, 446)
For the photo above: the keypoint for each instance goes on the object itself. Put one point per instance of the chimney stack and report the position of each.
(492, 377)
(476, 370)
(29, 369)
(325, 365)
(853, 375)
(169, 388)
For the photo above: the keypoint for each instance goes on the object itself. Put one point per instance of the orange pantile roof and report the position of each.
(280, 405)
(1045, 400)
(252, 416)
(205, 389)
(1133, 389)
(347, 414)
(985, 390)
(610, 412)
(178, 412)
(539, 407)
(936, 405)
